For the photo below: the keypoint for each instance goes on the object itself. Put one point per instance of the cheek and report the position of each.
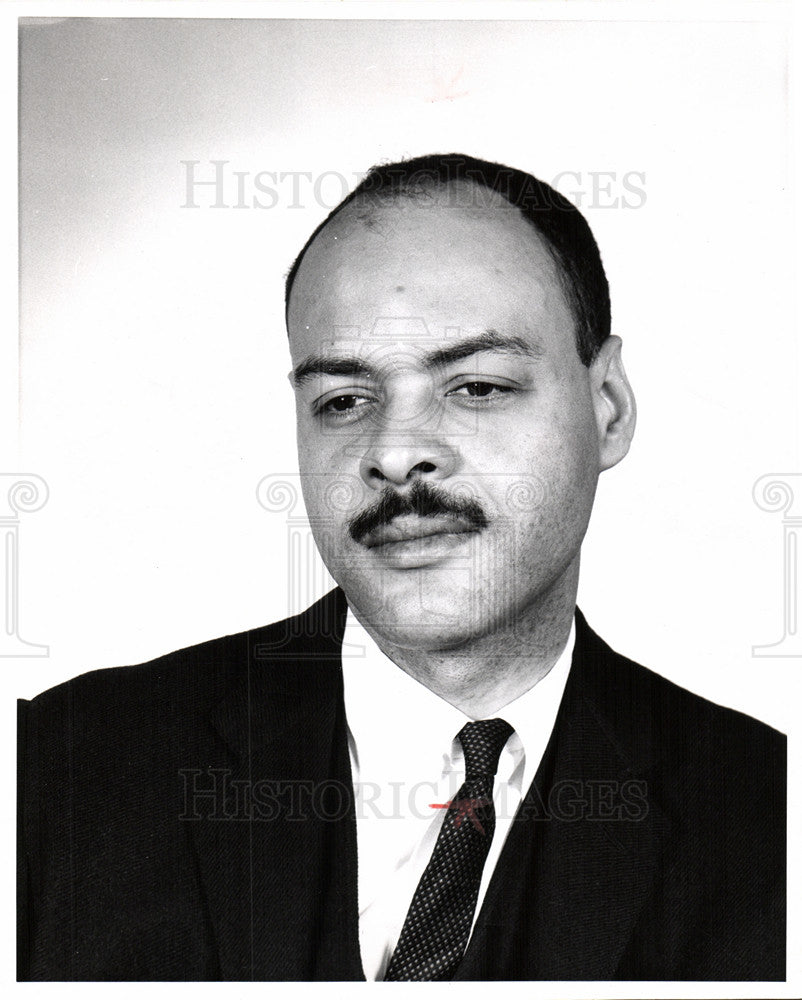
(317, 462)
(322, 448)
(569, 483)
(548, 485)
(333, 495)
(569, 447)
(541, 542)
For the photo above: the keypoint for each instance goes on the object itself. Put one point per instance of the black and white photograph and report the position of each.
(402, 502)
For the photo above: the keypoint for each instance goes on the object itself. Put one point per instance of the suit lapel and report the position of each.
(279, 867)
(583, 852)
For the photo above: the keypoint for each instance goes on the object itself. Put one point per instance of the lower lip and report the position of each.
(414, 553)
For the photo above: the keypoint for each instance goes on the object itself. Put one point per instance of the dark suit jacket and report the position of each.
(192, 818)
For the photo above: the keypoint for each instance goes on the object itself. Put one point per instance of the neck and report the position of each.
(487, 672)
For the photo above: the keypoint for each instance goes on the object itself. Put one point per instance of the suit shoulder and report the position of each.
(659, 712)
(213, 662)
(683, 703)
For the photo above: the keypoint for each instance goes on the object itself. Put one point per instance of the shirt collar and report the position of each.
(399, 729)
(532, 715)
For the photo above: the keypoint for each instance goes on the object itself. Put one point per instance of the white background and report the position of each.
(152, 389)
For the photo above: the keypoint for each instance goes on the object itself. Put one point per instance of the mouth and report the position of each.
(412, 528)
(411, 541)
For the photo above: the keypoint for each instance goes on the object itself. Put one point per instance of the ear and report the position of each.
(613, 403)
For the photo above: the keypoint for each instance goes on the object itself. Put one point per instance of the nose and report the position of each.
(401, 462)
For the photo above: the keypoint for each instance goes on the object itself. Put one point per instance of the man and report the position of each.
(221, 813)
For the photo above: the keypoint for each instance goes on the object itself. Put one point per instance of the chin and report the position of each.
(419, 610)
(423, 635)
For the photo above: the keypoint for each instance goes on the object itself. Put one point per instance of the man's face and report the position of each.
(448, 433)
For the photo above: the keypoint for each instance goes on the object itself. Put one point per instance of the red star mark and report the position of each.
(463, 808)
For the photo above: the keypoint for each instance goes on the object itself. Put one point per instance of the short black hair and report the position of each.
(560, 223)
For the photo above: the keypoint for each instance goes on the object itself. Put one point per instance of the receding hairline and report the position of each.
(363, 212)
(558, 223)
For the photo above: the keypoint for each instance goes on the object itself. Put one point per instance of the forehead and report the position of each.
(456, 258)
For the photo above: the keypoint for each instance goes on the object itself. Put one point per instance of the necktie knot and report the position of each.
(482, 743)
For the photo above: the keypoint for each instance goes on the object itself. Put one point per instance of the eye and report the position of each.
(344, 405)
(340, 404)
(480, 390)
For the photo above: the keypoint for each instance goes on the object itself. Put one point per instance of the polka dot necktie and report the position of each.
(437, 926)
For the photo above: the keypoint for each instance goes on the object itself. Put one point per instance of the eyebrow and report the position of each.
(489, 340)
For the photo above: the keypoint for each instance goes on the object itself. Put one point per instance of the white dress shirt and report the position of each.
(405, 761)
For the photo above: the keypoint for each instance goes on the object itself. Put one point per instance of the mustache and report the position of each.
(423, 499)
